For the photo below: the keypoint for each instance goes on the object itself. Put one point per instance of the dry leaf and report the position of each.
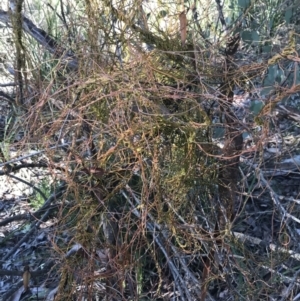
(183, 27)
(26, 278)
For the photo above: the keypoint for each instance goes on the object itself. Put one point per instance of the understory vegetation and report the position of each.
(149, 150)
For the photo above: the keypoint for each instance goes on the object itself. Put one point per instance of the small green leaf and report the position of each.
(270, 77)
(256, 106)
(251, 37)
(246, 135)
(279, 76)
(266, 90)
(247, 36)
(255, 37)
(288, 15)
(297, 72)
(244, 3)
(267, 49)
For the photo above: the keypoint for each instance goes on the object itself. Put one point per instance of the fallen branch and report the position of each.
(243, 237)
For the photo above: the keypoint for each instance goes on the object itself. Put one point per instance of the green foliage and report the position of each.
(37, 200)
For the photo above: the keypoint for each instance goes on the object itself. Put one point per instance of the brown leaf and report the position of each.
(26, 278)
(183, 27)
